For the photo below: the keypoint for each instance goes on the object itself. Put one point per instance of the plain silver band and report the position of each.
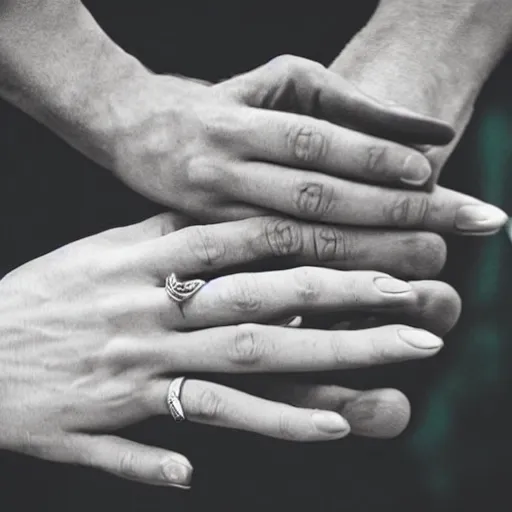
(173, 399)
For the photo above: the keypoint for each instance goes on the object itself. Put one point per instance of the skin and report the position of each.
(89, 339)
(217, 152)
(236, 147)
(422, 55)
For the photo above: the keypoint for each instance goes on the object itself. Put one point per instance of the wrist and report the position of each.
(430, 55)
(57, 64)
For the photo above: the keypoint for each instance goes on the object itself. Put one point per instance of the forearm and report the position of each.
(56, 62)
(429, 55)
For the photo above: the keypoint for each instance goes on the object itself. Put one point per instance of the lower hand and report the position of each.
(90, 340)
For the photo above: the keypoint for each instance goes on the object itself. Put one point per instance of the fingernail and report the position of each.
(416, 170)
(421, 339)
(294, 321)
(178, 475)
(330, 422)
(480, 218)
(391, 285)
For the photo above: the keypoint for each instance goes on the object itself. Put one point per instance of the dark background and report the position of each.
(455, 454)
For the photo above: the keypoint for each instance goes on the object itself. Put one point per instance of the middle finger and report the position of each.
(252, 348)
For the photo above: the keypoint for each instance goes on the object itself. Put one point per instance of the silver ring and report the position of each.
(180, 291)
(173, 399)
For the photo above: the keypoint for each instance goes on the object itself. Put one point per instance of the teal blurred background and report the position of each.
(463, 438)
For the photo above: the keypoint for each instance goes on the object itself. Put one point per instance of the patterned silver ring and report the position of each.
(173, 399)
(180, 291)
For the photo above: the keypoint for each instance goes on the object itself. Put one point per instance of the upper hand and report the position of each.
(230, 151)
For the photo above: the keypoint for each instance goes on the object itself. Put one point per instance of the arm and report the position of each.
(433, 56)
(56, 64)
(195, 147)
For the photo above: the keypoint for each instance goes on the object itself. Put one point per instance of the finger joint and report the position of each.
(308, 144)
(329, 244)
(313, 200)
(206, 248)
(375, 162)
(284, 237)
(247, 348)
(408, 211)
(241, 295)
(210, 406)
(307, 286)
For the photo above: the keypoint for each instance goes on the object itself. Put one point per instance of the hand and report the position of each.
(89, 339)
(203, 149)
(220, 152)
(378, 413)
(421, 55)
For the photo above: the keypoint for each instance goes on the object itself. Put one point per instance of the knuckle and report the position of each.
(241, 294)
(286, 63)
(206, 248)
(117, 355)
(313, 200)
(298, 84)
(204, 173)
(247, 348)
(339, 355)
(332, 244)
(292, 64)
(127, 464)
(425, 255)
(198, 173)
(284, 237)
(408, 210)
(286, 427)
(379, 351)
(168, 222)
(375, 159)
(210, 405)
(307, 286)
(308, 144)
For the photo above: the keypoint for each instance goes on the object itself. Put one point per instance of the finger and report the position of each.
(436, 307)
(305, 142)
(267, 296)
(130, 460)
(404, 254)
(250, 348)
(156, 226)
(214, 404)
(295, 84)
(317, 197)
(233, 212)
(380, 413)
(201, 249)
